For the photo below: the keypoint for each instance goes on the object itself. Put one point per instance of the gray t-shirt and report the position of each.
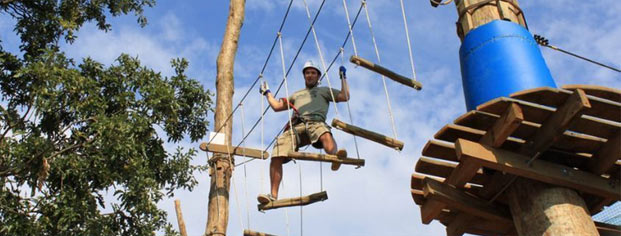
(313, 103)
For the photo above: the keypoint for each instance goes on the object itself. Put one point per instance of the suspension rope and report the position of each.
(392, 119)
(263, 167)
(243, 117)
(301, 206)
(284, 74)
(350, 26)
(407, 36)
(323, 62)
(282, 24)
(544, 42)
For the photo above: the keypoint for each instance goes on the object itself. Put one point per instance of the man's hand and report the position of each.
(342, 71)
(264, 89)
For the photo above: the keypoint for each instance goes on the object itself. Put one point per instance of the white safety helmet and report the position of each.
(310, 64)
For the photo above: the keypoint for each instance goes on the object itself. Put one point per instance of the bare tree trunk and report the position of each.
(218, 215)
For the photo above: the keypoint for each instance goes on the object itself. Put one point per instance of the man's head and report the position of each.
(311, 74)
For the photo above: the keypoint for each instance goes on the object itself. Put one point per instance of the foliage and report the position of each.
(72, 133)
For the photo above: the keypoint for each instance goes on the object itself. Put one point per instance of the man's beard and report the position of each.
(312, 85)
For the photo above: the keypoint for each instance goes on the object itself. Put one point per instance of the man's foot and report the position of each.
(265, 198)
(341, 154)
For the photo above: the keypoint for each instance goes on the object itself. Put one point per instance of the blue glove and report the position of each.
(342, 71)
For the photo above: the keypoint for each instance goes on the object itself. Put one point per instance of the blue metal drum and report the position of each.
(500, 58)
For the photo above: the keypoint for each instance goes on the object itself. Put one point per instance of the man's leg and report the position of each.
(329, 145)
(275, 175)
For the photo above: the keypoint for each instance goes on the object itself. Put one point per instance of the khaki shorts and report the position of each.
(308, 133)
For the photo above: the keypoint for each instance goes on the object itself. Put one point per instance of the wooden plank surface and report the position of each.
(539, 170)
(248, 232)
(555, 125)
(238, 151)
(367, 134)
(444, 169)
(440, 150)
(298, 201)
(386, 72)
(306, 156)
(597, 91)
(607, 156)
(436, 191)
(547, 96)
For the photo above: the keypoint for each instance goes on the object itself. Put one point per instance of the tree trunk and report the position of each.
(540, 209)
(218, 215)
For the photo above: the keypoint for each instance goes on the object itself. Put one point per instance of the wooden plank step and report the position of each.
(248, 232)
(607, 229)
(539, 170)
(444, 169)
(597, 91)
(386, 72)
(238, 151)
(370, 135)
(547, 96)
(306, 156)
(299, 201)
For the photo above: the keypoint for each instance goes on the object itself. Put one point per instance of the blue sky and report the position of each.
(375, 199)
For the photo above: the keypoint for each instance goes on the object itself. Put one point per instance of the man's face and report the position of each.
(311, 76)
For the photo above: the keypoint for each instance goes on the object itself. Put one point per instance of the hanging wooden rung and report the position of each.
(306, 156)
(386, 72)
(248, 232)
(299, 201)
(239, 151)
(370, 135)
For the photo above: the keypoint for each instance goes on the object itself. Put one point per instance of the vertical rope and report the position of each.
(301, 207)
(407, 36)
(392, 119)
(323, 61)
(243, 117)
(263, 167)
(353, 41)
(342, 52)
(286, 212)
(284, 75)
(230, 158)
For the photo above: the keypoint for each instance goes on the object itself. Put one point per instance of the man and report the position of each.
(310, 107)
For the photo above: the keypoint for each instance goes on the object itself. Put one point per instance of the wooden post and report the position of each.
(180, 221)
(540, 209)
(474, 13)
(221, 169)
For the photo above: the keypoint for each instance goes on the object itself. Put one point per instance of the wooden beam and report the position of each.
(324, 158)
(440, 150)
(370, 135)
(430, 210)
(607, 156)
(418, 196)
(607, 229)
(386, 72)
(444, 169)
(180, 221)
(539, 170)
(597, 91)
(436, 191)
(460, 224)
(299, 201)
(463, 173)
(556, 125)
(248, 232)
(238, 151)
(503, 127)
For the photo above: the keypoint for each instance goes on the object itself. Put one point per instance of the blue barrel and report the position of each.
(500, 58)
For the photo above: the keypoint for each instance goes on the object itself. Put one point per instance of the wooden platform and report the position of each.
(238, 151)
(299, 201)
(573, 133)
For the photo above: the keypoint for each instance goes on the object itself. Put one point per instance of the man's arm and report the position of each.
(276, 105)
(343, 96)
